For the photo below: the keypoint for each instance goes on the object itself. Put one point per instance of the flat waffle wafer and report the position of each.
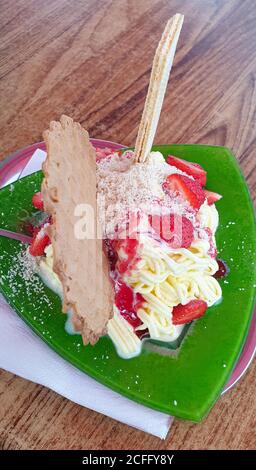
(69, 182)
(161, 68)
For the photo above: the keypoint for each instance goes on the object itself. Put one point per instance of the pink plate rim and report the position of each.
(10, 170)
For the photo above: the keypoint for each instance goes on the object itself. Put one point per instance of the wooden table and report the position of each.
(91, 60)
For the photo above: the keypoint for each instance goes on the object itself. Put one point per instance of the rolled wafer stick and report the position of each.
(160, 72)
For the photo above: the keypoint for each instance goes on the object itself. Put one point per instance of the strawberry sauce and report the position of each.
(129, 246)
(128, 303)
(126, 300)
(212, 250)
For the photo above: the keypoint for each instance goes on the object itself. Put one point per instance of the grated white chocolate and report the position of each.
(124, 187)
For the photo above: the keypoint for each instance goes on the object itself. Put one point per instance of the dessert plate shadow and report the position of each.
(186, 383)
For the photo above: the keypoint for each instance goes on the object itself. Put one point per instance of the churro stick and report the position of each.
(161, 68)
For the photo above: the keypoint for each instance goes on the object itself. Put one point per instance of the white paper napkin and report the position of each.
(35, 361)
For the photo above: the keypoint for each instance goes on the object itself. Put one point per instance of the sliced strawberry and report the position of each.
(127, 303)
(129, 257)
(36, 230)
(174, 229)
(186, 313)
(102, 153)
(189, 189)
(39, 242)
(37, 201)
(28, 227)
(35, 223)
(212, 197)
(142, 334)
(223, 269)
(192, 169)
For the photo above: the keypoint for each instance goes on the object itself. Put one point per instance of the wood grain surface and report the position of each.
(91, 60)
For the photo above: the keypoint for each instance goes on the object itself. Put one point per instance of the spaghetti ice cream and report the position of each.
(163, 273)
(159, 229)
